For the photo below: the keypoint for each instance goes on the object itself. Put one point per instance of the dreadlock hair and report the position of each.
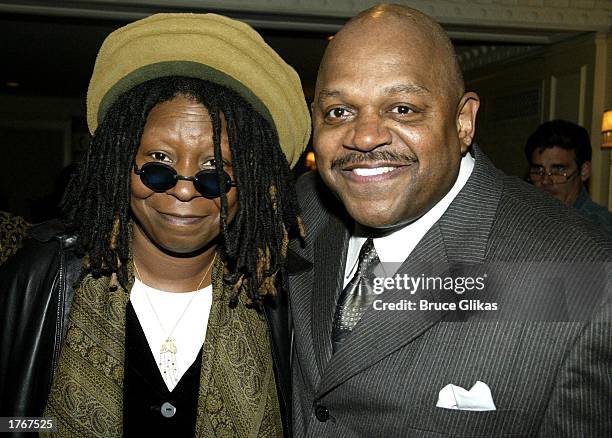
(253, 247)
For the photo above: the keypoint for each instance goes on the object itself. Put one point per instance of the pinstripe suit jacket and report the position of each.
(549, 378)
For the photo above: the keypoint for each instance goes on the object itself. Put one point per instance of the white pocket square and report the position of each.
(478, 398)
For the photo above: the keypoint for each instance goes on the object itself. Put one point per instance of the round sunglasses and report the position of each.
(160, 177)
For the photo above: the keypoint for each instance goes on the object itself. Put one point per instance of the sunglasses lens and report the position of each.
(158, 177)
(207, 184)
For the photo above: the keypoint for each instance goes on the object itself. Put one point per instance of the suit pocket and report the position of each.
(464, 424)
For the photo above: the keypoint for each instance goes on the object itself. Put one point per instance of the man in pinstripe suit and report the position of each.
(393, 132)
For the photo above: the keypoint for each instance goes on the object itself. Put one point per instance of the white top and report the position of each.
(395, 247)
(188, 335)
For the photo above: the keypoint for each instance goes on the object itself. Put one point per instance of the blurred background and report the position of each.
(530, 61)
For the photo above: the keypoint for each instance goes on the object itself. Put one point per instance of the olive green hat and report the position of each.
(205, 46)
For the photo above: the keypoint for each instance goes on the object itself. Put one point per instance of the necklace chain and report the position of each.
(168, 350)
(169, 335)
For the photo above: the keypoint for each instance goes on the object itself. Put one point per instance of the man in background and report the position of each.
(559, 156)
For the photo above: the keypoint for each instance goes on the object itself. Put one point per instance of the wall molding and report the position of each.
(523, 21)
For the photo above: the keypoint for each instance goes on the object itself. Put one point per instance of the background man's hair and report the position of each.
(563, 134)
(253, 247)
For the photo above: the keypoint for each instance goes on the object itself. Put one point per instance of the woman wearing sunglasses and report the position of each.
(157, 307)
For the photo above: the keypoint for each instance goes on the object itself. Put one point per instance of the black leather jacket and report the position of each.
(35, 297)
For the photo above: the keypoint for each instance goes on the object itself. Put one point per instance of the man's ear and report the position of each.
(585, 171)
(466, 119)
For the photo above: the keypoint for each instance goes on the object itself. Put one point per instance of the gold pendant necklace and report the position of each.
(168, 350)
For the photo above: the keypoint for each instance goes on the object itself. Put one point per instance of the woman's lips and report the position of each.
(181, 220)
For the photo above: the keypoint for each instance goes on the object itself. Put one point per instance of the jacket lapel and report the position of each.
(329, 264)
(467, 223)
(380, 332)
(313, 280)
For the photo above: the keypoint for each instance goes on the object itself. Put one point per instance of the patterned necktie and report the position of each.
(357, 296)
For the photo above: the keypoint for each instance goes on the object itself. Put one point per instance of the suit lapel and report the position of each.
(329, 264)
(380, 332)
(467, 223)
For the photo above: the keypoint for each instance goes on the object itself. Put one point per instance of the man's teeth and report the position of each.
(362, 171)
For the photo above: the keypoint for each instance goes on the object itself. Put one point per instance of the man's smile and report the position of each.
(372, 172)
(364, 171)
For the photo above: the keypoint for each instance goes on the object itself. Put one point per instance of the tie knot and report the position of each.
(367, 257)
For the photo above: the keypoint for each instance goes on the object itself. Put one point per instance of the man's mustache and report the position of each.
(364, 157)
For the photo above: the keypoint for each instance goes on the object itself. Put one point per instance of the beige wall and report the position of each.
(602, 98)
(568, 80)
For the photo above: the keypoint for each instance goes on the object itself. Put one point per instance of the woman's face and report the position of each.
(179, 133)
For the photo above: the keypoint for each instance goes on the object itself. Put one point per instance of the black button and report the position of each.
(322, 413)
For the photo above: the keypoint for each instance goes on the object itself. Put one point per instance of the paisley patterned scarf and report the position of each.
(237, 395)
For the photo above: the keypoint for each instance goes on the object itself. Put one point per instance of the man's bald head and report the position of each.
(391, 24)
(391, 119)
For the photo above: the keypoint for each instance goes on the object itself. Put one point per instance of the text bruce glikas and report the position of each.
(412, 284)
